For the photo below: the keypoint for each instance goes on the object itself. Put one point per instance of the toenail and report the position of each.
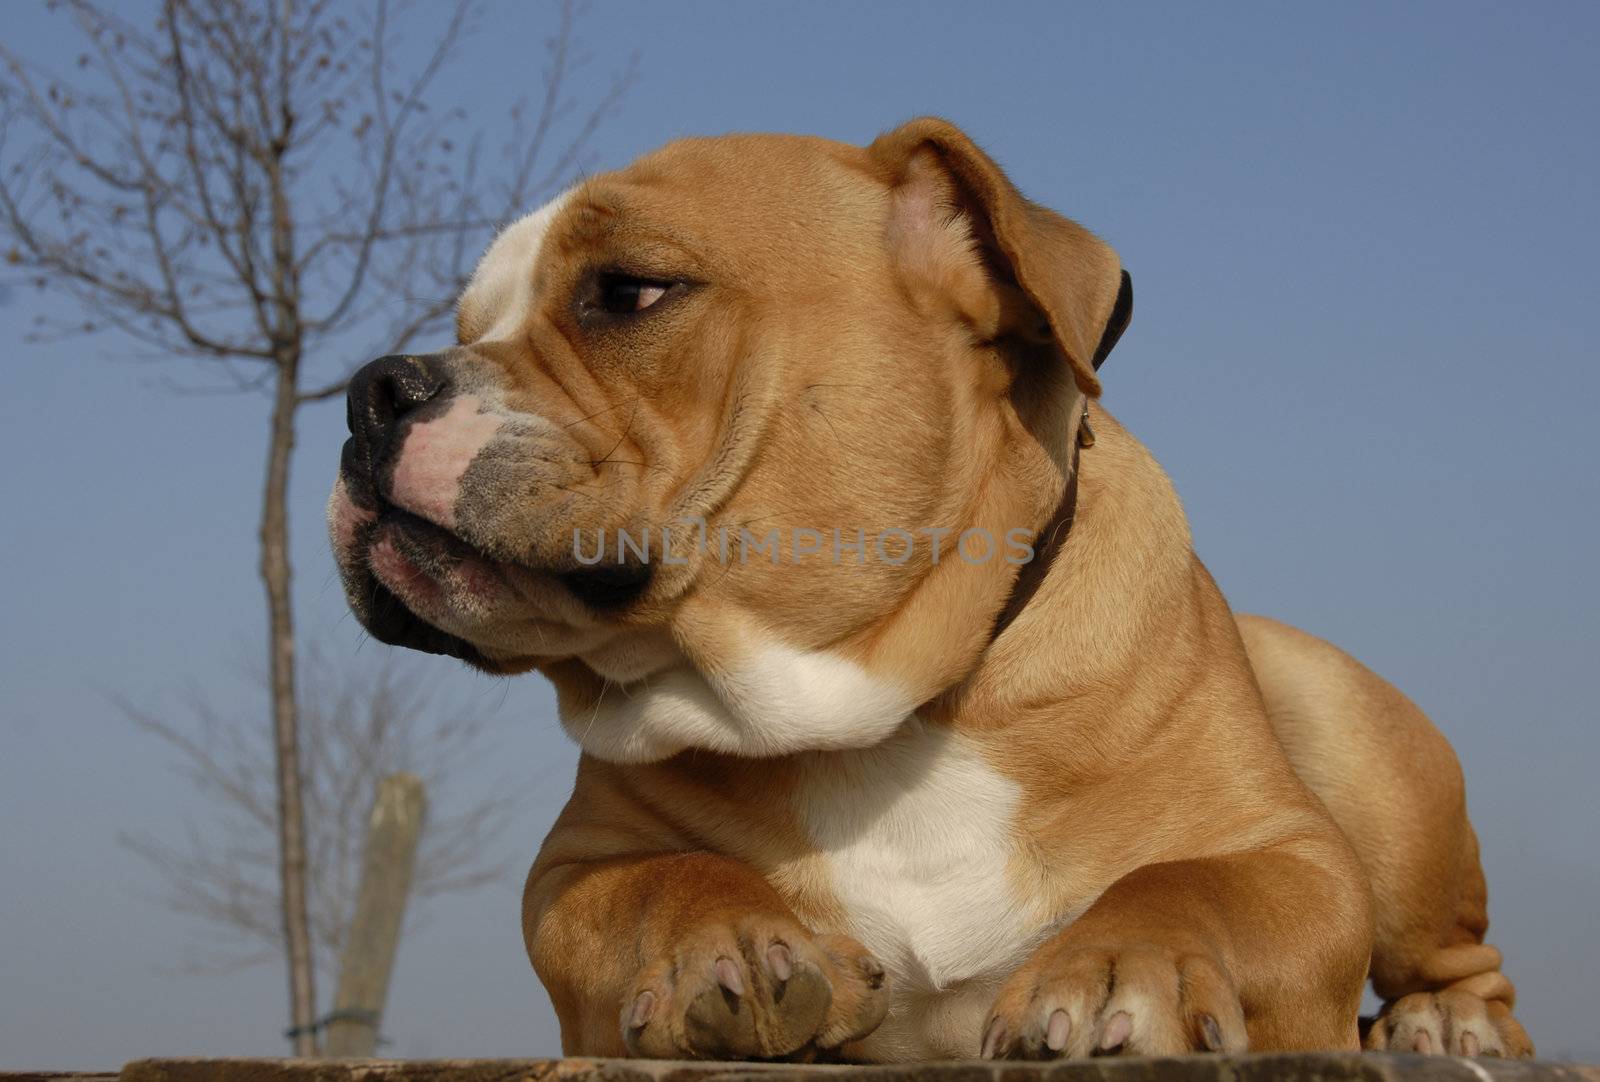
(1057, 1031)
(873, 970)
(643, 1008)
(1211, 1033)
(729, 977)
(993, 1037)
(1422, 1042)
(780, 962)
(1118, 1029)
(1470, 1045)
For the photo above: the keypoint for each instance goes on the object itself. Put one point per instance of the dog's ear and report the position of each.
(959, 227)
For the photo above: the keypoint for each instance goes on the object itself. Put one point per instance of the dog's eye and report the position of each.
(620, 294)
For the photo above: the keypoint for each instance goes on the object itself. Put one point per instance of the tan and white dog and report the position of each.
(848, 796)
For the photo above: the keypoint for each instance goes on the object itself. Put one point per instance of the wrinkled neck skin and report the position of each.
(715, 679)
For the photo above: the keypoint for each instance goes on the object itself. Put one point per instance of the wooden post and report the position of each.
(391, 853)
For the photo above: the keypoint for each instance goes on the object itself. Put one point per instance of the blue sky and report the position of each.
(1363, 238)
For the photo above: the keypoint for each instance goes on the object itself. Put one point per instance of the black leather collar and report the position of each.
(1050, 538)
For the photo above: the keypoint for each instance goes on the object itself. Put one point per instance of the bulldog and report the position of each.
(912, 726)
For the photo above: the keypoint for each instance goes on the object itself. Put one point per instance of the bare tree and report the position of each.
(358, 725)
(247, 183)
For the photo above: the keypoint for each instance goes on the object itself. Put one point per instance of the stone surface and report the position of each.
(1275, 1067)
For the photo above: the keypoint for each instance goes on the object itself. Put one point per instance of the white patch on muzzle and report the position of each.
(435, 456)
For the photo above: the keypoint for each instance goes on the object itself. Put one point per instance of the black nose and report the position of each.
(381, 395)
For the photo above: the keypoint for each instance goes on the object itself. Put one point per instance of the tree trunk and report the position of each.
(380, 913)
(275, 575)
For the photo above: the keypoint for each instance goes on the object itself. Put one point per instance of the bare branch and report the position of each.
(393, 132)
(149, 182)
(330, 390)
(358, 726)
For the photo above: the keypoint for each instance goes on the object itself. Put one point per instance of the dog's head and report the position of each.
(714, 428)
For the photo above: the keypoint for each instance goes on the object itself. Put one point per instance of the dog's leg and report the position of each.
(1393, 785)
(691, 955)
(1442, 986)
(1262, 950)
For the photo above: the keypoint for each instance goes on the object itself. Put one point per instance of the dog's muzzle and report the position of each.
(383, 398)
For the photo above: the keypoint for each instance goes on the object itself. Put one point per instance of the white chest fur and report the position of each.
(777, 700)
(918, 836)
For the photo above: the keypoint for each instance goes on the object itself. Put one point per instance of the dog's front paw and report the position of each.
(1132, 1001)
(1453, 1022)
(754, 988)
